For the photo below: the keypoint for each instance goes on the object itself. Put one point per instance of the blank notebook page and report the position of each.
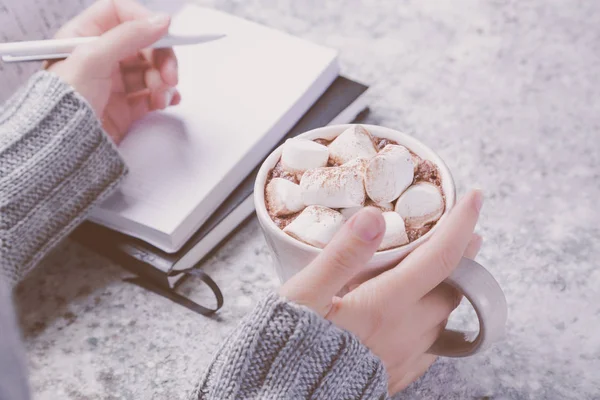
(234, 91)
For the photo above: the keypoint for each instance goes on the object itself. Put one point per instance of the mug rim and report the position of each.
(330, 132)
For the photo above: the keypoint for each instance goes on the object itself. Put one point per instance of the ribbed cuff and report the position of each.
(286, 351)
(56, 162)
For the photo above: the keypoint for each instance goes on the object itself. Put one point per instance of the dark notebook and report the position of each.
(341, 103)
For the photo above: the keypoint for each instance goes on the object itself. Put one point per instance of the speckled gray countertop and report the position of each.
(508, 92)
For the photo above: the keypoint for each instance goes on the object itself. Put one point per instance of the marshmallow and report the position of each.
(283, 197)
(349, 212)
(420, 204)
(316, 225)
(334, 187)
(382, 206)
(298, 155)
(389, 173)
(354, 142)
(395, 231)
(359, 163)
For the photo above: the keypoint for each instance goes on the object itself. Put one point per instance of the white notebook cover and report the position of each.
(240, 95)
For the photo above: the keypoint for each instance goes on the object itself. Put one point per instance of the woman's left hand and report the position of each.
(120, 78)
(399, 314)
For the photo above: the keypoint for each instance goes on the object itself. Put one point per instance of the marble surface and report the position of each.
(508, 92)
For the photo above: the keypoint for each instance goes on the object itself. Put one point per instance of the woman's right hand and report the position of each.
(120, 77)
(399, 314)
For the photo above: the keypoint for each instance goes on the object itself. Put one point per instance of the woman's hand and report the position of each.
(400, 313)
(121, 81)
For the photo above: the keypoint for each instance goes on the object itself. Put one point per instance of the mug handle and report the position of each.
(489, 302)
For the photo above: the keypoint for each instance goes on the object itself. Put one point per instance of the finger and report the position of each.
(416, 324)
(143, 102)
(116, 112)
(404, 376)
(176, 98)
(135, 62)
(473, 247)
(432, 262)
(165, 61)
(435, 307)
(124, 41)
(112, 129)
(161, 99)
(154, 81)
(134, 80)
(139, 106)
(346, 254)
(142, 93)
(362, 277)
(102, 16)
(404, 356)
(471, 252)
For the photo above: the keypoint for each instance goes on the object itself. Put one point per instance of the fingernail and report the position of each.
(172, 64)
(159, 19)
(171, 71)
(478, 200)
(368, 224)
(169, 96)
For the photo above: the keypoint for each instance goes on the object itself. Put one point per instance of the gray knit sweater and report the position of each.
(55, 164)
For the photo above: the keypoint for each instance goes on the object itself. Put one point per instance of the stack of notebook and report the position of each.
(192, 167)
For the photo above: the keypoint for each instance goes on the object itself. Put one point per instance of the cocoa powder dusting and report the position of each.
(381, 142)
(415, 233)
(282, 222)
(323, 142)
(427, 171)
(279, 172)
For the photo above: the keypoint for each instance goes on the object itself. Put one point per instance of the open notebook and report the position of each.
(343, 102)
(241, 95)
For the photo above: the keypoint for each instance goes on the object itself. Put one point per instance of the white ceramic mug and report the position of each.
(470, 278)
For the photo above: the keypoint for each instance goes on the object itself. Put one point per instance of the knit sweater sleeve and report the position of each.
(286, 351)
(55, 163)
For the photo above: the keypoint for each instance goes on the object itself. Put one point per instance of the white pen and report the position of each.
(53, 49)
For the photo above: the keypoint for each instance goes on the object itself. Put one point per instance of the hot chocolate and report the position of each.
(318, 184)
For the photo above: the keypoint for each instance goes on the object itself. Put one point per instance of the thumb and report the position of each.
(345, 256)
(126, 39)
